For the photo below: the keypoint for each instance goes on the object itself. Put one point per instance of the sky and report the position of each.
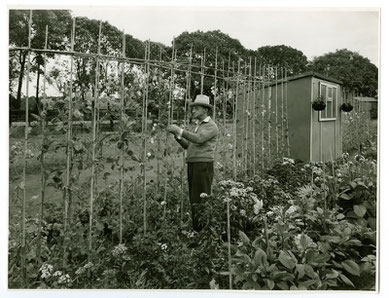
(313, 31)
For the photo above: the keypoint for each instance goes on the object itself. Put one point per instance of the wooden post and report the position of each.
(229, 244)
(276, 112)
(202, 72)
(144, 130)
(121, 181)
(234, 115)
(269, 87)
(263, 117)
(215, 88)
(42, 158)
(94, 133)
(170, 115)
(254, 118)
(286, 114)
(243, 119)
(282, 112)
(69, 150)
(26, 126)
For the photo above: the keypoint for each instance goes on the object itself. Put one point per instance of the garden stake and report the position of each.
(234, 115)
(202, 72)
(254, 116)
(263, 117)
(243, 152)
(276, 110)
(44, 141)
(26, 128)
(229, 243)
(93, 169)
(169, 121)
(144, 131)
(286, 114)
(122, 147)
(266, 233)
(69, 150)
(215, 90)
(269, 89)
(282, 112)
(247, 112)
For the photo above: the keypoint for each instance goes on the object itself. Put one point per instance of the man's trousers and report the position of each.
(200, 176)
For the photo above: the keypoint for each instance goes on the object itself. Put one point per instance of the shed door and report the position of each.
(325, 147)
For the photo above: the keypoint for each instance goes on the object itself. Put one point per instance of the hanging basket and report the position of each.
(319, 104)
(346, 107)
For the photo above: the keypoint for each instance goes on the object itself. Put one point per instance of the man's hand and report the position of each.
(174, 129)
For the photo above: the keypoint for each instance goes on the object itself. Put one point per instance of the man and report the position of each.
(200, 146)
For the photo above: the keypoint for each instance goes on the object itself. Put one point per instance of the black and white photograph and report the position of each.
(192, 147)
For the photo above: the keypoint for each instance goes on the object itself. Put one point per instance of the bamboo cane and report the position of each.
(234, 114)
(243, 118)
(26, 127)
(69, 150)
(276, 112)
(254, 117)
(229, 244)
(286, 113)
(169, 122)
(282, 111)
(202, 72)
(144, 131)
(247, 112)
(215, 90)
(42, 158)
(122, 148)
(269, 113)
(94, 133)
(187, 97)
(263, 117)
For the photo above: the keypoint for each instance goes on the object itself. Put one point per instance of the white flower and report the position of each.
(57, 273)
(80, 271)
(46, 270)
(242, 212)
(88, 265)
(258, 206)
(228, 135)
(148, 154)
(163, 203)
(119, 250)
(291, 210)
(64, 279)
(234, 192)
(164, 246)
(203, 195)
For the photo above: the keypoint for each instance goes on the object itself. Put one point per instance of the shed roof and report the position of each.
(304, 75)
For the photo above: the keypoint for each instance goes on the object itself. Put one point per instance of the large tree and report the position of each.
(58, 22)
(229, 50)
(284, 56)
(356, 72)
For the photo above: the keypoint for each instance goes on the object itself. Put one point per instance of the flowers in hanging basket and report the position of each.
(319, 104)
(346, 107)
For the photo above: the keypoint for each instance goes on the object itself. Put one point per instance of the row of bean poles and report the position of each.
(250, 107)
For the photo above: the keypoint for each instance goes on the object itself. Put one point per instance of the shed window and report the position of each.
(329, 93)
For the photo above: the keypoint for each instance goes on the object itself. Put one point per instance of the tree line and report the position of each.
(358, 74)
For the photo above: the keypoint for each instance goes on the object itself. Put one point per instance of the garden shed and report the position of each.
(314, 135)
(290, 126)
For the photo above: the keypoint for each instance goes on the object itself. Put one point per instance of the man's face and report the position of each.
(199, 112)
